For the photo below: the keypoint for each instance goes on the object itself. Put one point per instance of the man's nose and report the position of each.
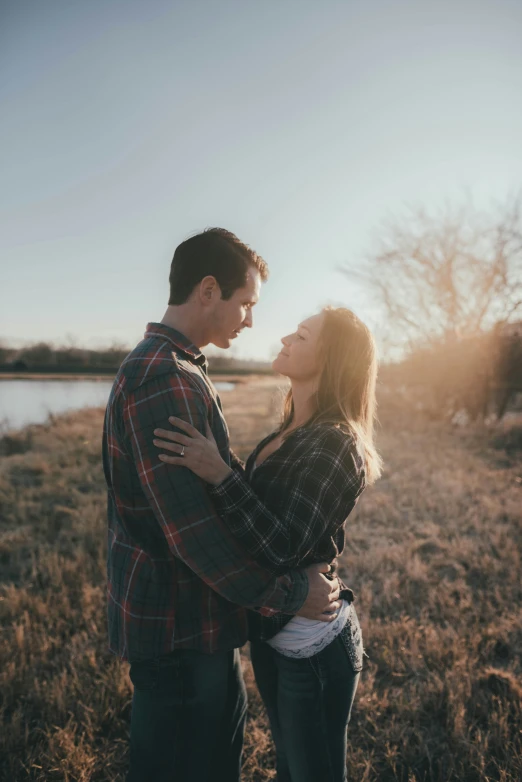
(248, 319)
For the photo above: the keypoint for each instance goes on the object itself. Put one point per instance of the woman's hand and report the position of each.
(193, 450)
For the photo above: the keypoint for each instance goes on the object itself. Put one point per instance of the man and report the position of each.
(178, 581)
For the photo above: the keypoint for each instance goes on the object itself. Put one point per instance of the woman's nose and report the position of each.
(285, 341)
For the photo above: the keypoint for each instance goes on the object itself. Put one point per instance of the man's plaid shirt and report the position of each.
(289, 512)
(177, 576)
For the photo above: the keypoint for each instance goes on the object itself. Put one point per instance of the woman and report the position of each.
(289, 507)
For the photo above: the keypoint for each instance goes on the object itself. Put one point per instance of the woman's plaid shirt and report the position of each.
(177, 576)
(290, 511)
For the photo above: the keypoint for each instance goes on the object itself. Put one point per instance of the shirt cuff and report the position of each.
(296, 582)
(232, 492)
(298, 591)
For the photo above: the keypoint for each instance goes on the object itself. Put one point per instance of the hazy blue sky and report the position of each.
(126, 126)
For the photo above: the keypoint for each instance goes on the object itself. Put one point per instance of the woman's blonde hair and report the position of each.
(346, 388)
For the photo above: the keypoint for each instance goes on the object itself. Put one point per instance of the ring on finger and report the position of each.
(182, 452)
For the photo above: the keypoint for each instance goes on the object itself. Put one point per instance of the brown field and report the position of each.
(434, 556)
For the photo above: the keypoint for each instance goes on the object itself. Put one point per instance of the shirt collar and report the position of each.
(177, 339)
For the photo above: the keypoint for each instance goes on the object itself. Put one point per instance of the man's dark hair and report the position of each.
(214, 252)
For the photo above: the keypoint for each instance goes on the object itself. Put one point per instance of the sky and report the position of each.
(299, 125)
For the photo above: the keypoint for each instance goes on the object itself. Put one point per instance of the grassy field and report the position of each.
(434, 556)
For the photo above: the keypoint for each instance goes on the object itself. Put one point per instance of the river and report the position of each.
(25, 402)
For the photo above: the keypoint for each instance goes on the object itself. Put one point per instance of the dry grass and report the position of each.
(434, 556)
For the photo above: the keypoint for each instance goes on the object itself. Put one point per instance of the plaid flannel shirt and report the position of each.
(177, 576)
(290, 511)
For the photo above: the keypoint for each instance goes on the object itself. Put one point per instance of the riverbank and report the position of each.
(434, 556)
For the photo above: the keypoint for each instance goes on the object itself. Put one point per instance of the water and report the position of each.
(25, 402)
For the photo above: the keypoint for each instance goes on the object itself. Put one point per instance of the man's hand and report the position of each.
(323, 594)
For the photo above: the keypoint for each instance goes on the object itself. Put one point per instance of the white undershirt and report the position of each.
(303, 637)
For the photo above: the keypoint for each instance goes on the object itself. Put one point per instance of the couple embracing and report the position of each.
(206, 553)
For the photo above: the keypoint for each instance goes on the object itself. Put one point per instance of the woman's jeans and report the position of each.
(188, 716)
(308, 701)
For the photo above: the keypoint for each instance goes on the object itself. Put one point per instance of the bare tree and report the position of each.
(448, 283)
(447, 275)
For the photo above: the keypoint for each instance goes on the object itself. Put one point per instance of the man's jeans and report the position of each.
(308, 702)
(188, 718)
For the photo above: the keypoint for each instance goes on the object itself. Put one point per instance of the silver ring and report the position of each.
(182, 452)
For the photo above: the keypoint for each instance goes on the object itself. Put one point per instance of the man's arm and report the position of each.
(181, 504)
(321, 488)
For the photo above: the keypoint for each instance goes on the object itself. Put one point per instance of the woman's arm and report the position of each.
(320, 486)
(318, 493)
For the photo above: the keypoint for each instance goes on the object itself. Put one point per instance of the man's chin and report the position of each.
(224, 343)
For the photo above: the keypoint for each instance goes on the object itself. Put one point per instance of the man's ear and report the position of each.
(209, 290)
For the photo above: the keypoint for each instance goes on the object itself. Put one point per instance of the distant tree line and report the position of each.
(44, 357)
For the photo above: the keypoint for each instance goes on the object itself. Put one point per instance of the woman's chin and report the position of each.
(278, 366)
